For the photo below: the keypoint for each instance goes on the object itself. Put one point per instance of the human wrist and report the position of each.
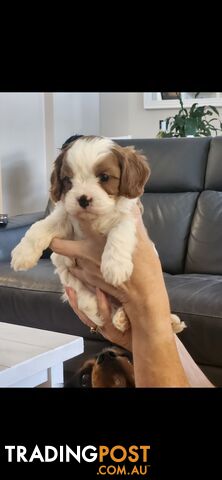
(156, 361)
(158, 332)
(149, 314)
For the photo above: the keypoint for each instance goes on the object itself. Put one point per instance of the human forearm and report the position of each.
(156, 359)
(146, 304)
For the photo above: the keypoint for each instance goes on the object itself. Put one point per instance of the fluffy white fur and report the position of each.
(108, 215)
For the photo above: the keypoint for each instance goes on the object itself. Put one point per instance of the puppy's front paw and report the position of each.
(176, 323)
(24, 256)
(116, 272)
(120, 320)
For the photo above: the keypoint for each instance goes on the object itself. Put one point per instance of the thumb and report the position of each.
(71, 248)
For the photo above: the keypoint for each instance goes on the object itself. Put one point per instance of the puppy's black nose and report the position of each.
(84, 201)
(109, 355)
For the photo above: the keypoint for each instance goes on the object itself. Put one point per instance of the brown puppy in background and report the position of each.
(111, 368)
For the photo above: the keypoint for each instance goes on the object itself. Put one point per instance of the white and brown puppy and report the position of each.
(96, 176)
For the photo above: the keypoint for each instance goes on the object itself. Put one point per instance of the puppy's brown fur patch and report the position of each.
(60, 178)
(110, 166)
(134, 171)
(115, 371)
(128, 172)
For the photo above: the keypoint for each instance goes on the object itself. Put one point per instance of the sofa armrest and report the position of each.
(11, 234)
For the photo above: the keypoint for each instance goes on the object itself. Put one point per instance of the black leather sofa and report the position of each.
(183, 214)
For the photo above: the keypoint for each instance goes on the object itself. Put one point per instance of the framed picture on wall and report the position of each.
(169, 95)
(160, 100)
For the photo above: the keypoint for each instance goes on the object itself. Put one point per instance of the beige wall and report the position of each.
(67, 114)
(33, 127)
(1, 197)
(124, 114)
(22, 153)
(114, 114)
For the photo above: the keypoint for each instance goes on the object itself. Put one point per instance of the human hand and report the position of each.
(145, 301)
(144, 290)
(108, 330)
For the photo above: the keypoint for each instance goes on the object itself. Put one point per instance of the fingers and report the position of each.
(69, 248)
(95, 280)
(89, 249)
(73, 303)
(108, 330)
(103, 305)
(104, 311)
(88, 265)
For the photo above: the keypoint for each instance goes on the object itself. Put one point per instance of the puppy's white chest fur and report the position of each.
(120, 230)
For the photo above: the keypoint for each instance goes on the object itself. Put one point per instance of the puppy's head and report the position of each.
(92, 173)
(112, 368)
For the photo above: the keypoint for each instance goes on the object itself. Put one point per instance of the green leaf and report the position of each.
(199, 111)
(191, 127)
(183, 110)
(197, 122)
(214, 109)
(167, 122)
(211, 127)
(192, 108)
(179, 120)
(162, 134)
(208, 112)
(213, 119)
(207, 132)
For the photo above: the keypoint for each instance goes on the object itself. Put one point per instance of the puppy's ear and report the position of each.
(134, 172)
(56, 182)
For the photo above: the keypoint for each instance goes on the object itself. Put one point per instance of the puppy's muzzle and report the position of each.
(84, 201)
(106, 356)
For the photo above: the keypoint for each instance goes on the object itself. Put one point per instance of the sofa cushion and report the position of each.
(33, 298)
(204, 253)
(177, 164)
(214, 374)
(12, 233)
(197, 299)
(213, 179)
(168, 217)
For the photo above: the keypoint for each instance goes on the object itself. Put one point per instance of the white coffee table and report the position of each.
(30, 357)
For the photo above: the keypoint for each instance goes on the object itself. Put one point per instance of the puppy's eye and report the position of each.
(67, 184)
(103, 177)
(67, 181)
(127, 356)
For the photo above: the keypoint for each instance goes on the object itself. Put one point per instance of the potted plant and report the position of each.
(195, 122)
